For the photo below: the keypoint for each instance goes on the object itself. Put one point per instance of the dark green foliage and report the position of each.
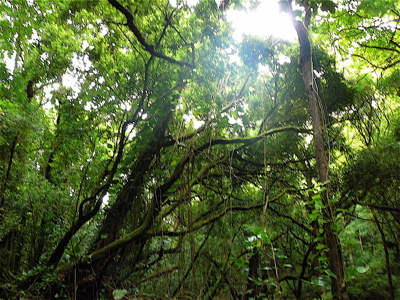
(336, 94)
(376, 168)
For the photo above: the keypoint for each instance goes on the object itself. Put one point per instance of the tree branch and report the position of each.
(160, 273)
(130, 23)
(384, 208)
(253, 139)
(202, 223)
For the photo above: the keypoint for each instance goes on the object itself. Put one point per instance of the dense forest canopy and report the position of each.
(147, 154)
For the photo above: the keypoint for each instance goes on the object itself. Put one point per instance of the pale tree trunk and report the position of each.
(306, 68)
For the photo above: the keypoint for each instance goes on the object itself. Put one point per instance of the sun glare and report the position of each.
(265, 20)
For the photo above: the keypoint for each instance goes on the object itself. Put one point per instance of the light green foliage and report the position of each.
(368, 35)
(119, 294)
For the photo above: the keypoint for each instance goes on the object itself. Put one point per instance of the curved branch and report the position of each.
(130, 22)
(248, 141)
(202, 223)
(161, 193)
(384, 208)
(82, 219)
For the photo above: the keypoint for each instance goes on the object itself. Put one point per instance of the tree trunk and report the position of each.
(131, 194)
(387, 259)
(331, 239)
(254, 263)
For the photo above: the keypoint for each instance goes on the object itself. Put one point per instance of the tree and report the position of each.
(307, 71)
(144, 153)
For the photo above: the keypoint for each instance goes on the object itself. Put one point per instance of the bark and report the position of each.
(82, 219)
(10, 161)
(130, 196)
(387, 259)
(128, 199)
(254, 263)
(304, 265)
(307, 72)
(129, 202)
(30, 92)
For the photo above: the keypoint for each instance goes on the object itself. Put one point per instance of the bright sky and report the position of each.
(265, 20)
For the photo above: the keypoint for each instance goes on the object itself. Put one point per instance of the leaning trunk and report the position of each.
(331, 239)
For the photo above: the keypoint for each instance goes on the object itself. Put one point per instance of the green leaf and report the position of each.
(240, 262)
(323, 281)
(272, 283)
(319, 238)
(330, 273)
(357, 270)
(172, 190)
(320, 246)
(334, 226)
(258, 230)
(235, 114)
(159, 171)
(248, 244)
(266, 239)
(352, 271)
(223, 122)
(175, 160)
(362, 269)
(119, 294)
(316, 197)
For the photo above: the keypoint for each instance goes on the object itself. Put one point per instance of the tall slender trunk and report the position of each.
(10, 161)
(307, 71)
(387, 259)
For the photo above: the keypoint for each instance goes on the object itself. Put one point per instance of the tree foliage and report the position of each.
(145, 153)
